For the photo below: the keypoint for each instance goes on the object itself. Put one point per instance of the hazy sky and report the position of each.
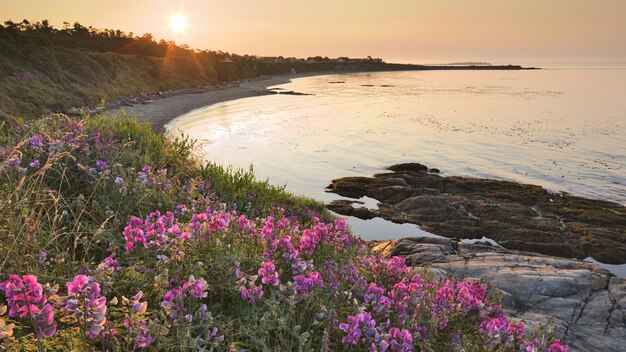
(419, 31)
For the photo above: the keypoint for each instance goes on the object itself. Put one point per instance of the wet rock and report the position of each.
(346, 207)
(517, 216)
(588, 303)
(291, 92)
(414, 167)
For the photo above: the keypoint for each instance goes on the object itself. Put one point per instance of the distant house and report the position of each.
(227, 59)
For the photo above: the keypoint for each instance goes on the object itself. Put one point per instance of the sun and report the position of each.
(178, 22)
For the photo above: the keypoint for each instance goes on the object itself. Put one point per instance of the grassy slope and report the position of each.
(35, 77)
(63, 215)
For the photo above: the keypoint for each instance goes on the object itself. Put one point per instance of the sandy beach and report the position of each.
(161, 110)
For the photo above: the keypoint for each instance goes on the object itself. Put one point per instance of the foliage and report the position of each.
(45, 69)
(115, 238)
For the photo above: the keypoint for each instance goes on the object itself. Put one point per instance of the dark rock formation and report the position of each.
(518, 216)
(588, 303)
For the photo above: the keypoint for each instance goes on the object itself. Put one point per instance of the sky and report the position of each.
(411, 31)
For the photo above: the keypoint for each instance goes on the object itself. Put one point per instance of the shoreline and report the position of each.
(163, 110)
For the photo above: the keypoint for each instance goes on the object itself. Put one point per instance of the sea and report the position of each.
(562, 127)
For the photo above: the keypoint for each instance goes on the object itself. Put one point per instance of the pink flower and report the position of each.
(77, 285)
(143, 338)
(253, 294)
(85, 303)
(303, 284)
(268, 274)
(26, 299)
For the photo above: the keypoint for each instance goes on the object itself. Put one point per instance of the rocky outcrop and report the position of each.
(518, 216)
(588, 304)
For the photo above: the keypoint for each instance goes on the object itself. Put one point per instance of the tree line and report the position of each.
(106, 40)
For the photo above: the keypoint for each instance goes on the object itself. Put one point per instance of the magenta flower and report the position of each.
(400, 340)
(268, 274)
(85, 303)
(197, 288)
(253, 294)
(143, 338)
(77, 285)
(26, 299)
(303, 284)
(557, 347)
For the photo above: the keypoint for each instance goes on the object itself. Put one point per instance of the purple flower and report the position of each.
(303, 284)
(142, 176)
(26, 299)
(34, 164)
(109, 262)
(36, 141)
(102, 165)
(143, 338)
(13, 162)
(361, 327)
(85, 303)
(119, 181)
(268, 274)
(400, 340)
(253, 294)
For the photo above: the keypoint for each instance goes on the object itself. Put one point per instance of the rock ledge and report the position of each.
(587, 302)
(518, 216)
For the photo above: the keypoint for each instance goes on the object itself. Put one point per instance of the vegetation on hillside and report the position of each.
(45, 69)
(115, 238)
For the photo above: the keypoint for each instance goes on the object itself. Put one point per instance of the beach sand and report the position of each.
(160, 111)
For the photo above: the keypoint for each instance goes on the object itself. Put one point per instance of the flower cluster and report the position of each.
(305, 283)
(157, 230)
(85, 304)
(268, 274)
(175, 302)
(250, 291)
(26, 299)
(135, 321)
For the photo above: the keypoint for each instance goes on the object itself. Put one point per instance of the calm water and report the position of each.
(561, 128)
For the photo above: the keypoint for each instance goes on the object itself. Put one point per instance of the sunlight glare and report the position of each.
(178, 23)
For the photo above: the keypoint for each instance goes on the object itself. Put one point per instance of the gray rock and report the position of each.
(588, 303)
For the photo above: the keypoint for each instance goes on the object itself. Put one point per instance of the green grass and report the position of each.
(30, 215)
